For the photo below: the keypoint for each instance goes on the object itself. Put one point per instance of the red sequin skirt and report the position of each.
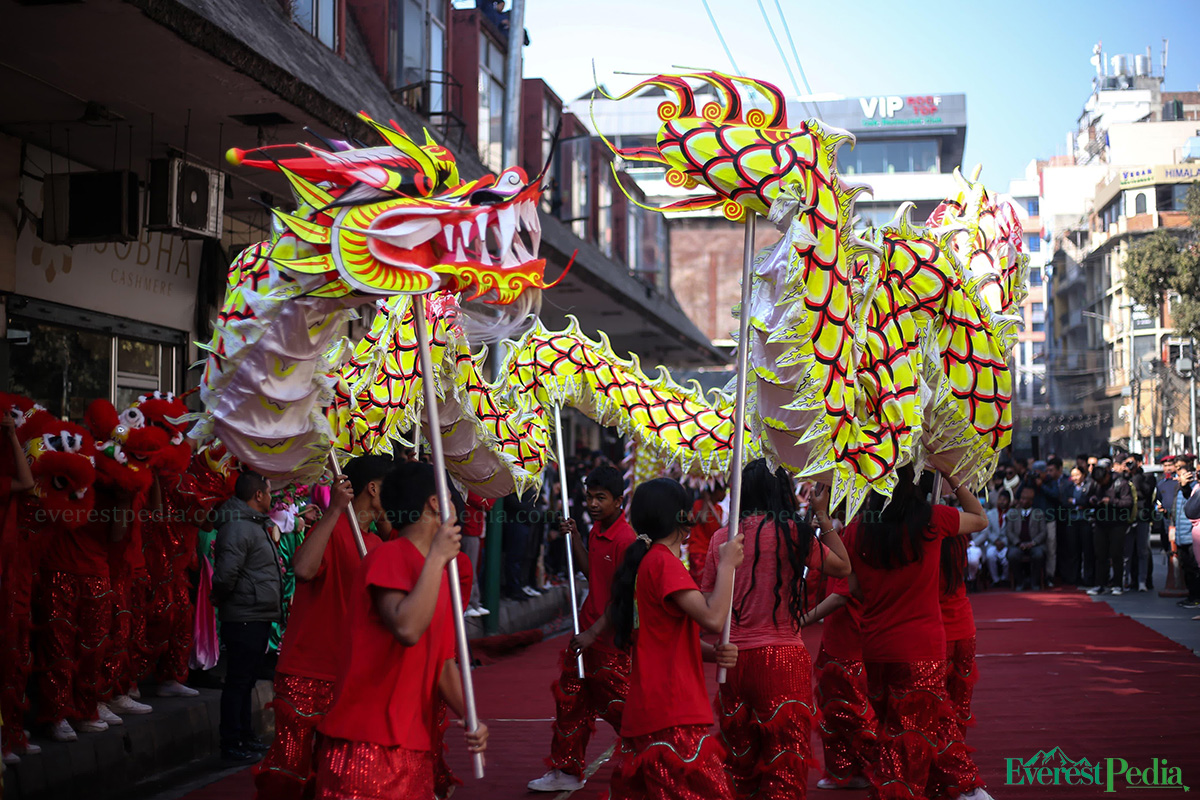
(288, 768)
(954, 772)
(364, 771)
(847, 721)
(681, 763)
(765, 713)
(909, 700)
(579, 703)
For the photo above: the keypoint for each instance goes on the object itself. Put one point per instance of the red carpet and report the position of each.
(1056, 670)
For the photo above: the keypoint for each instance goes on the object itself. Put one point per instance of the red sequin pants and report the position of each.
(74, 618)
(129, 655)
(954, 771)
(16, 657)
(364, 771)
(765, 713)
(847, 721)
(444, 779)
(681, 763)
(169, 547)
(909, 700)
(287, 771)
(579, 703)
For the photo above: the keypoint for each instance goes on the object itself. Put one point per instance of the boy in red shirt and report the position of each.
(601, 692)
(397, 655)
(325, 564)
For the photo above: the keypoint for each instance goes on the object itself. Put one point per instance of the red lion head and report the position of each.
(123, 453)
(163, 410)
(61, 459)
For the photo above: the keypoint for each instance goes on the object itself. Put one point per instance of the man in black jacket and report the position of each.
(1137, 538)
(1111, 500)
(247, 589)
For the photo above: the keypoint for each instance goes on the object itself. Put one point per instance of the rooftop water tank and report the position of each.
(1121, 65)
(1141, 65)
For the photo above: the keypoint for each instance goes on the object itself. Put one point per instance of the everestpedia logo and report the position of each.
(1055, 768)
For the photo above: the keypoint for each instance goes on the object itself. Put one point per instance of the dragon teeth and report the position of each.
(448, 232)
(465, 229)
(507, 217)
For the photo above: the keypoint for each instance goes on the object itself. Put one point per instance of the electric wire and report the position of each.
(737, 70)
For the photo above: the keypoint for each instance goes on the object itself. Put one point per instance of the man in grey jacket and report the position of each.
(1025, 527)
(247, 589)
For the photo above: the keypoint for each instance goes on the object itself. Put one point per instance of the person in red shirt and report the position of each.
(707, 519)
(894, 548)
(600, 694)
(474, 530)
(397, 655)
(954, 772)
(325, 564)
(765, 707)
(666, 749)
(14, 482)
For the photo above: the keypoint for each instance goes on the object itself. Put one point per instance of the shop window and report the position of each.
(62, 368)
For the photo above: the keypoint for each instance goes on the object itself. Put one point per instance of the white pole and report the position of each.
(1192, 394)
(739, 414)
(562, 485)
(512, 84)
(446, 509)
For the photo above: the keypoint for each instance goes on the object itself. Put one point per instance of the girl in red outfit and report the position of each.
(894, 548)
(707, 520)
(666, 749)
(954, 771)
(764, 708)
(397, 656)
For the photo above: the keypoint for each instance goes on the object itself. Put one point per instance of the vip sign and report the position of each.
(887, 107)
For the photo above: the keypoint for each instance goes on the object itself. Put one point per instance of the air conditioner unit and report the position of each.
(84, 207)
(185, 198)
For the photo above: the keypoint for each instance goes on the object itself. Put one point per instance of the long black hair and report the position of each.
(954, 563)
(893, 532)
(771, 497)
(658, 510)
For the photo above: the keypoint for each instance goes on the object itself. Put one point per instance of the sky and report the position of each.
(1024, 65)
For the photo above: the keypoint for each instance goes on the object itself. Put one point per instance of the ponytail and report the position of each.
(657, 511)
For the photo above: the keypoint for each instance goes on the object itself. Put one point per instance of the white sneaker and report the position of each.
(11, 758)
(1142, 587)
(62, 731)
(978, 793)
(1095, 590)
(91, 726)
(556, 781)
(471, 612)
(530, 591)
(30, 749)
(858, 782)
(1116, 591)
(176, 689)
(107, 716)
(481, 611)
(127, 705)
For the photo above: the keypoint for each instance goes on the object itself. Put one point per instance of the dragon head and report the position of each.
(166, 412)
(61, 457)
(397, 219)
(746, 156)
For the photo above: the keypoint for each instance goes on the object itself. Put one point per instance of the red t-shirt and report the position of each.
(666, 685)
(606, 551)
(466, 575)
(901, 619)
(320, 607)
(475, 518)
(840, 635)
(84, 550)
(700, 538)
(759, 624)
(386, 693)
(958, 619)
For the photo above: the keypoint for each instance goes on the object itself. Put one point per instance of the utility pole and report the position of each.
(1192, 393)
(512, 83)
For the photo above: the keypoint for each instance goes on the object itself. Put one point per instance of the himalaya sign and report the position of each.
(1055, 768)
(1163, 173)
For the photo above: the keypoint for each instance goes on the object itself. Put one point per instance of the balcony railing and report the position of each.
(438, 99)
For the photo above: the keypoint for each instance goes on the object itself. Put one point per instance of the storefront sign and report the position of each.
(152, 280)
(1163, 173)
(886, 111)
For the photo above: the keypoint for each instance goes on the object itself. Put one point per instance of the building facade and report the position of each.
(120, 214)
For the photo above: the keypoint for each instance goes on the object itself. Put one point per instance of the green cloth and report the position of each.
(288, 544)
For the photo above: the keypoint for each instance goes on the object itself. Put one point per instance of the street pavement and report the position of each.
(1058, 670)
